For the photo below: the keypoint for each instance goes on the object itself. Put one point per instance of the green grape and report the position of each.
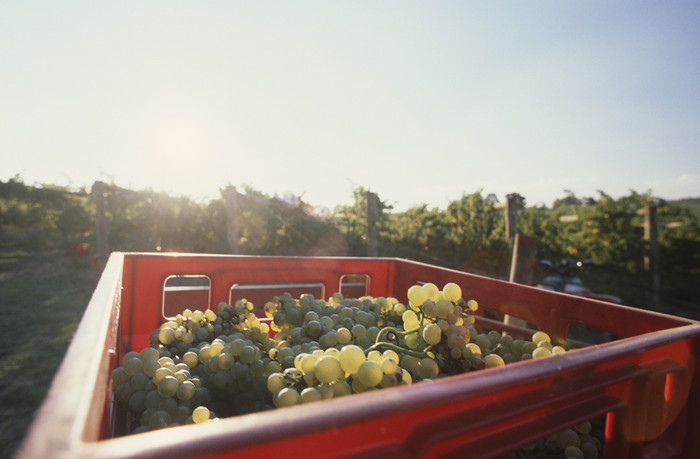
(335, 352)
(428, 368)
(350, 358)
(149, 353)
(389, 380)
(159, 419)
(494, 360)
(431, 291)
(359, 331)
(540, 336)
(168, 386)
(325, 390)
(558, 350)
(182, 375)
(432, 334)
(152, 400)
(161, 373)
(139, 381)
(286, 397)
(417, 295)
(222, 379)
(197, 316)
(344, 335)
(309, 395)
(166, 335)
(483, 342)
(341, 388)
(529, 347)
(430, 308)
(410, 319)
(389, 366)
(308, 362)
(357, 386)
(452, 292)
(272, 366)
(494, 337)
(247, 354)
(567, 438)
(186, 390)
(119, 376)
(391, 354)
(413, 340)
(370, 373)
(216, 346)
(226, 361)
(541, 352)
(200, 414)
(410, 363)
(337, 298)
(445, 308)
(136, 401)
(314, 329)
(584, 428)
(275, 382)
(133, 365)
(129, 355)
(328, 369)
(573, 452)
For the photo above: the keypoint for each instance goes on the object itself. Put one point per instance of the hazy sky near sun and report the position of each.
(419, 101)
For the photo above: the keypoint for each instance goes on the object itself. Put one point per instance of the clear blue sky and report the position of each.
(421, 102)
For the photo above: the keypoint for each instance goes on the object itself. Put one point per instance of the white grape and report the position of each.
(310, 394)
(370, 373)
(428, 368)
(417, 295)
(351, 357)
(431, 291)
(432, 334)
(200, 414)
(452, 292)
(328, 369)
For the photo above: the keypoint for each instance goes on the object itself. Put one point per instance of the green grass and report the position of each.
(42, 299)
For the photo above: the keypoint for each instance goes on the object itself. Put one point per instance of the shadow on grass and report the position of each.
(42, 299)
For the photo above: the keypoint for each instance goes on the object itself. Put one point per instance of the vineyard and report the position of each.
(51, 239)
(470, 234)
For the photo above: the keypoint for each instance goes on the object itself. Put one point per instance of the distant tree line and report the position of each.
(469, 234)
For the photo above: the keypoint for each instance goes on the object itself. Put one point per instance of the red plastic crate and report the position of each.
(645, 383)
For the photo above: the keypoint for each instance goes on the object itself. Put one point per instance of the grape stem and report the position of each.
(398, 349)
(397, 333)
(395, 347)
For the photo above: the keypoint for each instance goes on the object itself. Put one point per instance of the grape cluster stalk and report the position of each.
(204, 365)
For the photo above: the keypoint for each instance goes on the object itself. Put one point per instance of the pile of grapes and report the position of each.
(202, 366)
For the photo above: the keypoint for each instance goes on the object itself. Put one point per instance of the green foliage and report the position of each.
(469, 234)
(40, 217)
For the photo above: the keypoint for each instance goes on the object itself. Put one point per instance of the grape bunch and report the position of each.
(204, 365)
(583, 441)
(198, 361)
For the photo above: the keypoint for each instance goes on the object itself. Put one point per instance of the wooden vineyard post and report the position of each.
(231, 204)
(522, 268)
(101, 233)
(372, 215)
(511, 217)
